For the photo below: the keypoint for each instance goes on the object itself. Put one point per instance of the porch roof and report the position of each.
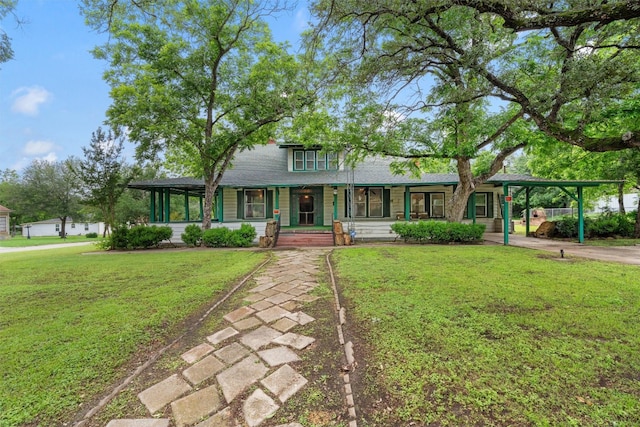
(267, 166)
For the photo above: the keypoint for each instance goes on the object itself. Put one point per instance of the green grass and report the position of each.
(612, 242)
(20, 241)
(70, 322)
(493, 336)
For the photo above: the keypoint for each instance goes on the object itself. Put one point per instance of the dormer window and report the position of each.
(314, 160)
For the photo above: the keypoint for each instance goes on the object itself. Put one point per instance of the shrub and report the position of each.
(223, 237)
(605, 225)
(439, 232)
(567, 227)
(216, 237)
(142, 236)
(192, 235)
(119, 237)
(91, 235)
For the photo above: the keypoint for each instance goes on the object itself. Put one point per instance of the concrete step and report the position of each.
(305, 239)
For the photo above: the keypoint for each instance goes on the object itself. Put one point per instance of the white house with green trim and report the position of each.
(307, 188)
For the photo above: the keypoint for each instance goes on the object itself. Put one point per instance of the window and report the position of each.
(481, 205)
(437, 205)
(313, 160)
(417, 203)
(254, 204)
(73, 225)
(57, 228)
(375, 202)
(298, 160)
(86, 226)
(369, 202)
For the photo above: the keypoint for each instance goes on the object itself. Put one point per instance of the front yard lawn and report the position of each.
(71, 322)
(489, 335)
(20, 241)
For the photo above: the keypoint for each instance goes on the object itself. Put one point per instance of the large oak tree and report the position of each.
(196, 80)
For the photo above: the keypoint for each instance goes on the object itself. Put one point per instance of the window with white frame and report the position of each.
(375, 202)
(254, 204)
(481, 205)
(57, 228)
(360, 202)
(313, 160)
(437, 205)
(73, 225)
(86, 226)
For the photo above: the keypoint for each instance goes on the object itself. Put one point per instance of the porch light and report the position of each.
(335, 191)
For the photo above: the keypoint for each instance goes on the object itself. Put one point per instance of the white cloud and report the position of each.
(29, 99)
(37, 148)
(301, 21)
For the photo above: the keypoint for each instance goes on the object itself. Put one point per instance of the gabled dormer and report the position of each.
(312, 159)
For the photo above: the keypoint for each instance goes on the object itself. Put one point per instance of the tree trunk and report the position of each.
(63, 227)
(209, 190)
(621, 198)
(457, 204)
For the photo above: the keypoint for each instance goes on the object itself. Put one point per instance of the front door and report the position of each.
(306, 206)
(306, 210)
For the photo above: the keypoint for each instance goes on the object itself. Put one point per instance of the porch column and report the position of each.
(220, 205)
(335, 203)
(186, 205)
(161, 205)
(505, 210)
(407, 203)
(201, 208)
(472, 206)
(580, 217)
(167, 205)
(152, 207)
(527, 210)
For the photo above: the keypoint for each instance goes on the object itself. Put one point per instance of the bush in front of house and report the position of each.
(119, 238)
(91, 235)
(439, 232)
(143, 237)
(222, 237)
(606, 225)
(192, 235)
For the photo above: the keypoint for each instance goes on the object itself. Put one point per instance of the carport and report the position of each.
(573, 189)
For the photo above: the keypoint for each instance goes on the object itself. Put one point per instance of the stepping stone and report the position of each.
(278, 356)
(297, 291)
(269, 293)
(192, 408)
(222, 335)
(206, 368)
(197, 353)
(284, 383)
(290, 425)
(231, 353)
(300, 317)
(289, 305)
(263, 287)
(221, 419)
(294, 340)
(240, 376)
(306, 298)
(258, 407)
(271, 314)
(259, 337)
(261, 305)
(238, 314)
(284, 287)
(280, 298)
(254, 298)
(249, 323)
(159, 395)
(148, 422)
(284, 324)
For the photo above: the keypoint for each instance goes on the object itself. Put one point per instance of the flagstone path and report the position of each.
(258, 348)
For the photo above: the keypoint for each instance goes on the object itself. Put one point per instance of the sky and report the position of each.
(52, 96)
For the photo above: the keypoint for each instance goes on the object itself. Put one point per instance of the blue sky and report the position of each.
(52, 96)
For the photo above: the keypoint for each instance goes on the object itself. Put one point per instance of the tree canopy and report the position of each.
(197, 81)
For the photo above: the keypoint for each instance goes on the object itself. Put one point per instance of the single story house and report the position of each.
(4, 223)
(305, 187)
(53, 227)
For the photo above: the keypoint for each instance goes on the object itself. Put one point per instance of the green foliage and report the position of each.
(91, 235)
(192, 235)
(605, 225)
(222, 237)
(439, 232)
(139, 237)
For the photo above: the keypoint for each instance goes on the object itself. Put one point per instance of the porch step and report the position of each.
(305, 239)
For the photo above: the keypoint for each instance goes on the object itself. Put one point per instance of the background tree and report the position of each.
(446, 67)
(103, 174)
(51, 190)
(197, 80)
(6, 8)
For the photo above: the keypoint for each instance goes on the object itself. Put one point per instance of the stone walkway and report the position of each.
(258, 349)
